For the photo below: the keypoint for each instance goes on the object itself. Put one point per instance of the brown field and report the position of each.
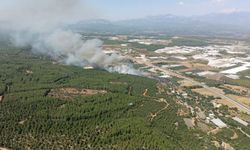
(229, 104)
(244, 100)
(225, 102)
(186, 83)
(218, 90)
(205, 92)
(237, 88)
(197, 66)
(70, 93)
(216, 76)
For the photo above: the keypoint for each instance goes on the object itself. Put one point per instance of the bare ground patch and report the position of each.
(70, 93)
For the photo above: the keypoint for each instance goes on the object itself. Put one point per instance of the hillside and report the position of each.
(46, 105)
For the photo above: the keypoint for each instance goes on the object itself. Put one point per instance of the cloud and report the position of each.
(220, 1)
(181, 3)
(230, 10)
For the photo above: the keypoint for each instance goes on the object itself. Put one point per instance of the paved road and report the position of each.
(241, 106)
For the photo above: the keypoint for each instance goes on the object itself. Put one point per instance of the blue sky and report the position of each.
(126, 9)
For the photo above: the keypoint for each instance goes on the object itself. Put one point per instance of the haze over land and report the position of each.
(41, 25)
(220, 24)
(192, 17)
(147, 75)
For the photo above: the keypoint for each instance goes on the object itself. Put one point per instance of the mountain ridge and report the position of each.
(211, 24)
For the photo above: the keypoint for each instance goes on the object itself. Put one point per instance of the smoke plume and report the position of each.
(41, 25)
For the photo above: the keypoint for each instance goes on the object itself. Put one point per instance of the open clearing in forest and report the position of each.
(69, 93)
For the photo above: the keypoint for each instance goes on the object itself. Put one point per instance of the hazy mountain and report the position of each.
(211, 24)
(241, 19)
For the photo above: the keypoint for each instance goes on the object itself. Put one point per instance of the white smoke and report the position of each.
(39, 24)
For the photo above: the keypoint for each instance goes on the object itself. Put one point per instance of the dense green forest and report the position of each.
(118, 119)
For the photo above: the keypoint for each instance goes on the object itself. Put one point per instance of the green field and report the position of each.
(188, 42)
(135, 45)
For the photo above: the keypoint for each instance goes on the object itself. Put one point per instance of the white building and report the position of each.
(211, 115)
(124, 45)
(88, 67)
(240, 121)
(219, 123)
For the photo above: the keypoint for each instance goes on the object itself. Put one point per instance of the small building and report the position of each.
(211, 115)
(207, 120)
(192, 110)
(88, 67)
(165, 76)
(216, 105)
(240, 121)
(219, 123)
(124, 45)
(185, 95)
